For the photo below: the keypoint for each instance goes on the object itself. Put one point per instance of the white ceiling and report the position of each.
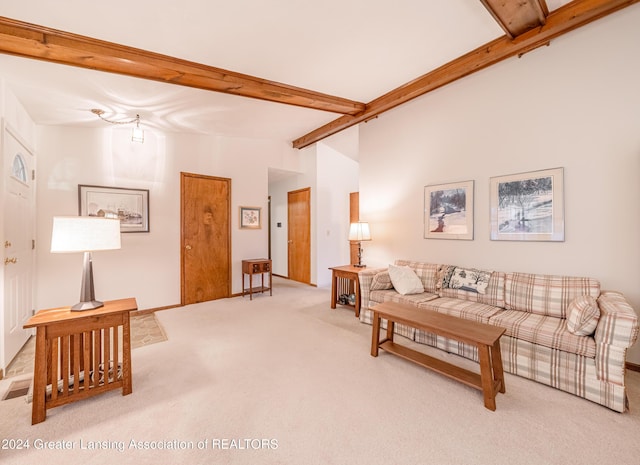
(356, 49)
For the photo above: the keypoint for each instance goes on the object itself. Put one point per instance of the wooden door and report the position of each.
(19, 234)
(299, 235)
(354, 217)
(205, 217)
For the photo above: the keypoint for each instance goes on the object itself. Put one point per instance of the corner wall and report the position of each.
(574, 104)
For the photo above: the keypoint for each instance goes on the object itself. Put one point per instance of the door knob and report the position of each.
(10, 260)
(188, 247)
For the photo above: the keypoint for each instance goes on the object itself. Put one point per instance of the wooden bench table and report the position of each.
(485, 337)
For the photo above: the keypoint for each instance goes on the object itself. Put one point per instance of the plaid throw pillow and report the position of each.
(583, 316)
(381, 281)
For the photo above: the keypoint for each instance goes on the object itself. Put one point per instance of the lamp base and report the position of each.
(90, 305)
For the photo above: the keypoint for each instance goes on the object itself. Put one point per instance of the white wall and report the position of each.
(337, 178)
(574, 104)
(148, 265)
(332, 176)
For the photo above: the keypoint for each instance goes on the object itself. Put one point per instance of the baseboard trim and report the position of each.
(633, 366)
(153, 310)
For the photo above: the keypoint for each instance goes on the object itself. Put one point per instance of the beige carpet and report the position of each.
(287, 380)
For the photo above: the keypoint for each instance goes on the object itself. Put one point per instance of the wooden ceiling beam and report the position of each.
(516, 17)
(33, 41)
(565, 19)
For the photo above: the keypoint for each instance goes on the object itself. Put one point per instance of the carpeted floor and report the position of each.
(287, 380)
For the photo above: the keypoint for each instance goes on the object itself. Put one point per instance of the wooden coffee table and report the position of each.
(485, 337)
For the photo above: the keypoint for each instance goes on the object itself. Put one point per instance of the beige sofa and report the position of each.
(561, 331)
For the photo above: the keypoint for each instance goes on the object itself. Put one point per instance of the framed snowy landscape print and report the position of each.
(448, 211)
(528, 206)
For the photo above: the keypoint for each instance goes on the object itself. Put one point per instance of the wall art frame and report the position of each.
(528, 206)
(131, 206)
(250, 218)
(448, 211)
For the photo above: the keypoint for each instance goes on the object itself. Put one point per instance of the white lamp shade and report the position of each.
(359, 232)
(84, 234)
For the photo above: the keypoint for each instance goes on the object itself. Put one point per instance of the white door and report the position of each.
(19, 234)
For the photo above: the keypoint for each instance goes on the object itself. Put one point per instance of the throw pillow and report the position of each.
(583, 315)
(405, 280)
(466, 279)
(381, 281)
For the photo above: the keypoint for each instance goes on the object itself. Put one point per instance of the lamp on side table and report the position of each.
(359, 232)
(85, 234)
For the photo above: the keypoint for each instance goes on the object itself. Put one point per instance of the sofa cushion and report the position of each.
(494, 292)
(466, 309)
(381, 281)
(546, 294)
(427, 272)
(544, 330)
(583, 315)
(390, 295)
(405, 280)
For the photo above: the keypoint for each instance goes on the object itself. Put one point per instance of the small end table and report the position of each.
(256, 266)
(80, 354)
(344, 280)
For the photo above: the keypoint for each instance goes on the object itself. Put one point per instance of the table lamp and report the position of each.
(359, 232)
(85, 234)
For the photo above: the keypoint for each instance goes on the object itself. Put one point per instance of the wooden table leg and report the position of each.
(375, 334)
(357, 293)
(334, 290)
(38, 410)
(391, 326)
(498, 371)
(486, 376)
(127, 385)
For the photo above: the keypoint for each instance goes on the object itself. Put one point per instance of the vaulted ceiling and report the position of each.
(289, 70)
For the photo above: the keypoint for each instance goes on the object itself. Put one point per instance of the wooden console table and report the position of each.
(80, 354)
(259, 266)
(344, 280)
(485, 337)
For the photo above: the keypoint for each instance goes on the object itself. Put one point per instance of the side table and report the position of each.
(80, 354)
(344, 280)
(259, 266)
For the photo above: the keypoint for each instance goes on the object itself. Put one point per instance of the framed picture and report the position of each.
(131, 206)
(448, 211)
(250, 218)
(528, 206)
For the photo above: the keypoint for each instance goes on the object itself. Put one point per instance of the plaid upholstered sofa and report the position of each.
(561, 331)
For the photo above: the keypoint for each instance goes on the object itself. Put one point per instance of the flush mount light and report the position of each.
(137, 134)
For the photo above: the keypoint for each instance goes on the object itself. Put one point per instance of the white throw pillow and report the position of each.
(584, 314)
(405, 280)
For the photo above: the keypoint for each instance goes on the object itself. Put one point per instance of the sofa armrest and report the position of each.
(617, 330)
(366, 277)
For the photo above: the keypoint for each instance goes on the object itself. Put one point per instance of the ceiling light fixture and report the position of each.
(137, 134)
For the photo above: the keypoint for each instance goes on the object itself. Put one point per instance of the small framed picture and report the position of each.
(448, 211)
(130, 206)
(250, 218)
